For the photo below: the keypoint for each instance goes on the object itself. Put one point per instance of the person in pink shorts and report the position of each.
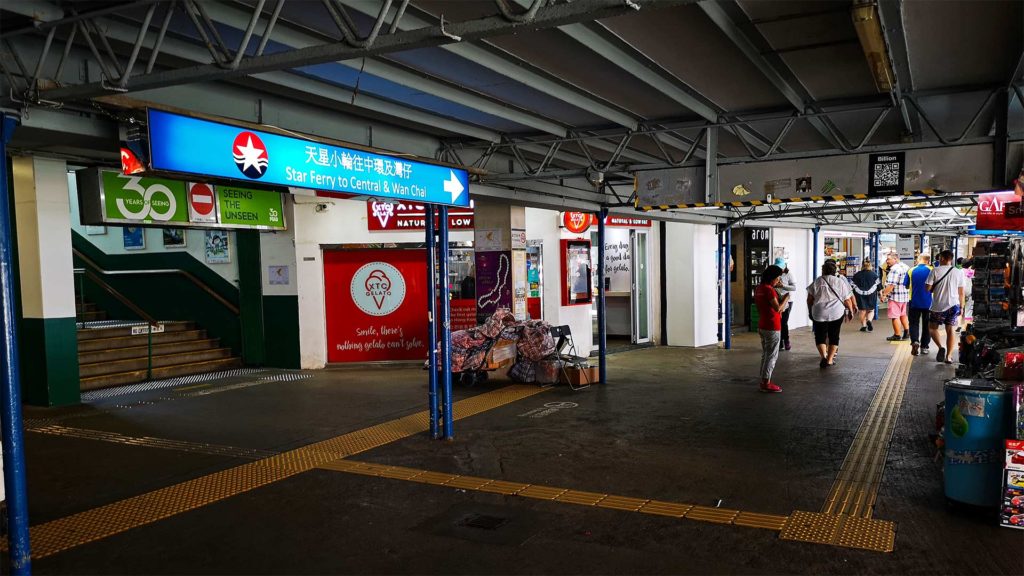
(897, 294)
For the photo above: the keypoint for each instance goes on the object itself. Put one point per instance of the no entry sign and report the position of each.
(201, 203)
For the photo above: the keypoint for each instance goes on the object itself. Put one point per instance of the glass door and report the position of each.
(640, 291)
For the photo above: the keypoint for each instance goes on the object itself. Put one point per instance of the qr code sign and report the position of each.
(887, 174)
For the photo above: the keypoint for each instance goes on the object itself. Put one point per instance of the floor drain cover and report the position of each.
(485, 522)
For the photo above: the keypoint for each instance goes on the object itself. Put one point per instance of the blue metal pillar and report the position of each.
(721, 281)
(602, 318)
(446, 321)
(878, 252)
(727, 329)
(10, 393)
(814, 257)
(432, 318)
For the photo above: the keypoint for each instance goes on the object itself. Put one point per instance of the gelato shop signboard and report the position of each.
(108, 197)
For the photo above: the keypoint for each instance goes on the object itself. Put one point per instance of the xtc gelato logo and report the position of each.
(250, 155)
(378, 288)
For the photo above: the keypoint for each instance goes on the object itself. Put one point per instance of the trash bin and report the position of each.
(978, 420)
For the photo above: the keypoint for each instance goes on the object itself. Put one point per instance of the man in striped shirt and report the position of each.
(897, 295)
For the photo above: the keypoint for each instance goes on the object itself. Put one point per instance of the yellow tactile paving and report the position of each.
(71, 531)
(856, 486)
(578, 497)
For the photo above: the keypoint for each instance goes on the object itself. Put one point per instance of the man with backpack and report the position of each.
(946, 283)
(897, 294)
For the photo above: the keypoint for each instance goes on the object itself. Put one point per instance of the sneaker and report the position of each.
(925, 350)
(871, 327)
(769, 387)
(894, 338)
(940, 356)
(787, 347)
(915, 348)
(863, 328)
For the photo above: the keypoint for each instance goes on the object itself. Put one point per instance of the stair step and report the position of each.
(91, 316)
(134, 376)
(118, 331)
(94, 344)
(133, 364)
(125, 353)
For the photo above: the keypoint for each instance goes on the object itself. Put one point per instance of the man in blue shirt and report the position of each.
(920, 302)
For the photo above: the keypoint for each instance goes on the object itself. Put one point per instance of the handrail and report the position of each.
(199, 284)
(120, 298)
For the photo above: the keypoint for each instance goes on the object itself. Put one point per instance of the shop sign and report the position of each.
(374, 302)
(577, 222)
(999, 211)
(399, 216)
(187, 145)
(108, 197)
(627, 222)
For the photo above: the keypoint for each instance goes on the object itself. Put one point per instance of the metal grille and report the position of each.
(168, 383)
(151, 442)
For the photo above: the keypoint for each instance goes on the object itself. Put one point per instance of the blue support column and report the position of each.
(602, 318)
(878, 252)
(10, 393)
(432, 318)
(814, 250)
(446, 322)
(727, 329)
(721, 280)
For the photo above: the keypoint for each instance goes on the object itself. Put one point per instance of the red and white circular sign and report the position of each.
(202, 202)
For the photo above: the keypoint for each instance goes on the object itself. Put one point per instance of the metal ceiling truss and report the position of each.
(477, 153)
(120, 75)
(946, 212)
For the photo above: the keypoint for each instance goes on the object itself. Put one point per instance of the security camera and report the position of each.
(322, 207)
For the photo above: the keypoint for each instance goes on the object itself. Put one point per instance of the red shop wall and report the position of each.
(388, 322)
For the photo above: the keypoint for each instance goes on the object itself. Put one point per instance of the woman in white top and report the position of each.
(830, 300)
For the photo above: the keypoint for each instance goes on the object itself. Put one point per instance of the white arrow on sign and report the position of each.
(453, 186)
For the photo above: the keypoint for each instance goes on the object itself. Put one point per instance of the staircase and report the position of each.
(109, 355)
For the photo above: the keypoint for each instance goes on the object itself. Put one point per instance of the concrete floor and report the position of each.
(672, 424)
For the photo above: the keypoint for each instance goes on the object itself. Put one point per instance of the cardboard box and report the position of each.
(578, 377)
(500, 355)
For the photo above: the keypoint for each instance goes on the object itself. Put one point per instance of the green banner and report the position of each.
(244, 207)
(144, 200)
(113, 198)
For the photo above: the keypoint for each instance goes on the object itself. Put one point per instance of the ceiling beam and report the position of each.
(457, 33)
(890, 14)
(727, 15)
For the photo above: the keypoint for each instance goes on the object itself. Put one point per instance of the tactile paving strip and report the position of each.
(71, 531)
(565, 495)
(840, 530)
(856, 486)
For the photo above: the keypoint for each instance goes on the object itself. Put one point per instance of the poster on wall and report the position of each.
(617, 261)
(493, 283)
(375, 302)
(174, 237)
(217, 249)
(134, 238)
(885, 173)
(519, 290)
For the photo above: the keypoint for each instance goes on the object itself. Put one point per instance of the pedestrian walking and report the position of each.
(920, 305)
(946, 284)
(896, 294)
(769, 324)
(830, 301)
(865, 290)
(784, 287)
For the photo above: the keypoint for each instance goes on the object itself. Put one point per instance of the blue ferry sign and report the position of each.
(194, 146)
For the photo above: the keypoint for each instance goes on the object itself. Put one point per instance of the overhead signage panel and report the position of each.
(107, 197)
(186, 145)
(406, 216)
